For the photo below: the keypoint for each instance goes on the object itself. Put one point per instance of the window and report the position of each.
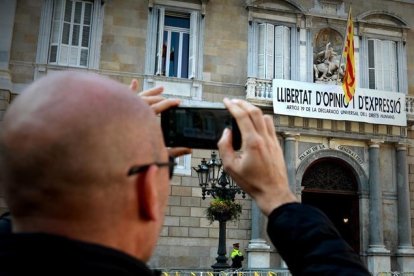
(274, 51)
(173, 43)
(183, 166)
(175, 46)
(382, 65)
(382, 53)
(70, 34)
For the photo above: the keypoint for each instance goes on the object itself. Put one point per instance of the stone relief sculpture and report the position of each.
(326, 66)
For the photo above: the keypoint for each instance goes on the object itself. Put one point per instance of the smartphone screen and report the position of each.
(197, 127)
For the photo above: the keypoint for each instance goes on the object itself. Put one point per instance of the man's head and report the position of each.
(66, 146)
(236, 245)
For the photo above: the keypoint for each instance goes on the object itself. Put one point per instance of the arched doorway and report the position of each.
(330, 185)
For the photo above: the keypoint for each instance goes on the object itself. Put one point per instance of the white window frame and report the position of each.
(393, 32)
(183, 166)
(262, 60)
(70, 52)
(162, 28)
(398, 74)
(44, 39)
(154, 45)
(382, 65)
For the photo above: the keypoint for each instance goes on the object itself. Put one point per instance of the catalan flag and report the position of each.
(349, 81)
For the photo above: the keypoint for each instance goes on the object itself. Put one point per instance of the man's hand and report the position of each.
(153, 97)
(158, 103)
(259, 168)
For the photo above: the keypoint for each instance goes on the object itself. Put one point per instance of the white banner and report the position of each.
(322, 101)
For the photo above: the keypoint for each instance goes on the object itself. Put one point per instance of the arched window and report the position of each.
(383, 55)
(274, 40)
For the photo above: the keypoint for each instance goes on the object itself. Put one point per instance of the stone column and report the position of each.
(378, 255)
(405, 251)
(258, 250)
(290, 154)
(7, 13)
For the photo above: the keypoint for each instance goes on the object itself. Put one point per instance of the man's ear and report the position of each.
(148, 203)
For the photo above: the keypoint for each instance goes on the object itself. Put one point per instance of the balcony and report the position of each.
(259, 92)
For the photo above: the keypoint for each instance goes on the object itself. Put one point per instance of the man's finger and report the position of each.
(164, 105)
(243, 119)
(271, 130)
(152, 99)
(225, 147)
(256, 116)
(153, 91)
(179, 151)
(134, 85)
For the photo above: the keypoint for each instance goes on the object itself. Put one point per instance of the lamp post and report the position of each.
(214, 181)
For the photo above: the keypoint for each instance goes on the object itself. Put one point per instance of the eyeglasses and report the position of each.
(141, 168)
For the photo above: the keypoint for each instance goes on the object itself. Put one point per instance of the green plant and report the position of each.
(223, 209)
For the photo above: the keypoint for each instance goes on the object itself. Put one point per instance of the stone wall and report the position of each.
(124, 37)
(24, 43)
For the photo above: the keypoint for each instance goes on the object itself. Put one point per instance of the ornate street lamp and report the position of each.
(216, 182)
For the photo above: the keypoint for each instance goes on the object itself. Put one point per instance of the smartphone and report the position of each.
(198, 127)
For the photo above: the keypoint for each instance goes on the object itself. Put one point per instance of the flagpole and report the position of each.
(343, 44)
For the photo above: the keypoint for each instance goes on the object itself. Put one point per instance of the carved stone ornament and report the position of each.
(327, 56)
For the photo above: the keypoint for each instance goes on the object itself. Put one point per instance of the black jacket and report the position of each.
(44, 254)
(310, 244)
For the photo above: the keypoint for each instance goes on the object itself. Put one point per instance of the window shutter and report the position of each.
(282, 52)
(71, 32)
(270, 44)
(55, 33)
(261, 51)
(279, 52)
(379, 72)
(73, 56)
(387, 59)
(161, 16)
(87, 18)
(393, 66)
(75, 35)
(286, 53)
(193, 45)
(64, 54)
(78, 12)
(57, 17)
(68, 11)
(371, 64)
(84, 57)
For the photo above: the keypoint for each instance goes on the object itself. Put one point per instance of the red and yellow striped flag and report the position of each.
(349, 81)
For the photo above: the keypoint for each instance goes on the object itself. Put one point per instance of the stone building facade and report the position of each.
(360, 172)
